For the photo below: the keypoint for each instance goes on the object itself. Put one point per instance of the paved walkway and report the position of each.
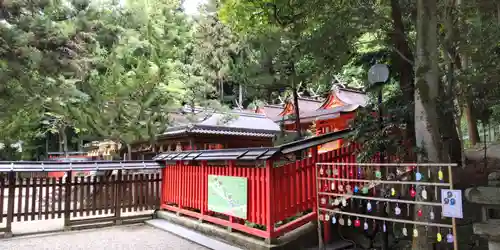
(139, 236)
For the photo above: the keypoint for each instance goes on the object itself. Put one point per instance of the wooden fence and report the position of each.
(78, 200)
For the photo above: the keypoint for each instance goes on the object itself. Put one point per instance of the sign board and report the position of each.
(451, 202)
(228, 195)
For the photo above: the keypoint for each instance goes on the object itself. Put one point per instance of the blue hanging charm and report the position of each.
(356, 189)
(418, 176)
(384, 228)
(368, 207)
(334, 220)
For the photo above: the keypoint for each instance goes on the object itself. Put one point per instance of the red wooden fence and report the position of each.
(280, 198)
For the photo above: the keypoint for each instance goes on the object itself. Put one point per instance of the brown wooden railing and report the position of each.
(111, 199)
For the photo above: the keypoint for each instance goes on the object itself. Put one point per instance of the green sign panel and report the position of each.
(228, 195)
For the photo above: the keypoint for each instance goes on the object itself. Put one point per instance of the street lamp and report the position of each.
(378, 76)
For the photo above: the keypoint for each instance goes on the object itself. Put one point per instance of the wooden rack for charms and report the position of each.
(343, 183)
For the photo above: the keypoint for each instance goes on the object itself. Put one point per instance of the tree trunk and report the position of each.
(59, 142)
(240, 95)
(405, 68)
(296, 104)
(451, 140)
(471, 123)
(129, 152)
(221, 86)
(469, 105)
(426, 94)
(63, 140)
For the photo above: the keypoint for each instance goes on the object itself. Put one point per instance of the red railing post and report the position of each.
(163, 190)
(180, 189)
(314, 160)
(269, 201)
(204, 188)
(231, 172)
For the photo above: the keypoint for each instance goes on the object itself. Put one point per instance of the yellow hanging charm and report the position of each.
(415, 233)
(393, 192)
(439, 237)
(440, 175)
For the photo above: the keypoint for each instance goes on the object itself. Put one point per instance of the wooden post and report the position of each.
(453, 220)
(269, 201)
(10, 203)
(67, 201)
(118, 197)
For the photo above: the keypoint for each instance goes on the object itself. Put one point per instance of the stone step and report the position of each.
(190, 235)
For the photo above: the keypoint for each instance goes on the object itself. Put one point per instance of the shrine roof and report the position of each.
(251, 154)
(236, 123)
(323, 114)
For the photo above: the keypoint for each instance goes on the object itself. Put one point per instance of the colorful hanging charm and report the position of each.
(405, 231)
(393, 192)
(413, 193)
(349, 222)
(364, 190)
(365, 226)
(439, 237)
(424, 194)
(335, 172)
(418, 176)
(369, 206)
(334, 220)
(328, 171)
(321, 217)
(351, 173)
(341, 221)
(384, 227)
(344, 202)
(360, 174)
(431, 215)
(419, 213)
(323, 200)
(327, 217)
(348, 189)
(378, 174)
(397, 210)
(356, 189)
(336, 202)
(415, 232)
(440, 174)
(321, 171)
(449, 238)
(341, 188)
(333, 186)
(357, 223)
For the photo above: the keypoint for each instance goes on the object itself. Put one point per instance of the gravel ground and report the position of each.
(139, 236)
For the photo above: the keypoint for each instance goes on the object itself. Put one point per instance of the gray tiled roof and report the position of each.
(238, 123)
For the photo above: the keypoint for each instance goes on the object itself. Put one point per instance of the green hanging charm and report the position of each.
(364, 190)
(378, 174)
(328, 172)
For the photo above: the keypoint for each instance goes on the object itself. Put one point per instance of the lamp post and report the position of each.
(377, 77)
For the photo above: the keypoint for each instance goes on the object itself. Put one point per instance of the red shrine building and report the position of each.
(256, 128)
(332, 114)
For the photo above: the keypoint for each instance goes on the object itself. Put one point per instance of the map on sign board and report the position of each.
(451, 202)
(228, 195)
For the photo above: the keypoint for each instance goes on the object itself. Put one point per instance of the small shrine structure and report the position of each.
(332, 114)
